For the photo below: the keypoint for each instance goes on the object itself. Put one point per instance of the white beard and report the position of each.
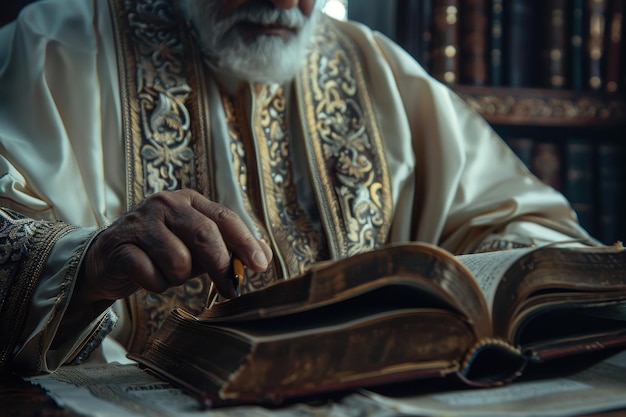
(267, 59)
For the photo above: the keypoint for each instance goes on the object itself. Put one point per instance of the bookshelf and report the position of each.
(548, 75)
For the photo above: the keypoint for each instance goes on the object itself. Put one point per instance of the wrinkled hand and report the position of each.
(166, 240)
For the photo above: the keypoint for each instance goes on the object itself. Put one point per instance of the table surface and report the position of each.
(21, 398)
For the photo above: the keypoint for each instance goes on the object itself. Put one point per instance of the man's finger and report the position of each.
(254, 254)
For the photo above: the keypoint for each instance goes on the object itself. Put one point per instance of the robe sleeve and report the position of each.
(38, 265)
(49, 75)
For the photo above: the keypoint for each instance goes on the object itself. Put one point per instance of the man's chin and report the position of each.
(267, 59)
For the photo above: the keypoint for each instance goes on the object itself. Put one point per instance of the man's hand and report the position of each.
(166, 240)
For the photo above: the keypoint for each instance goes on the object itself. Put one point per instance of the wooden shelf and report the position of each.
(541, 107)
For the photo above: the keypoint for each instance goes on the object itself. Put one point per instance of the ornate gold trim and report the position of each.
(300, 243)
(166, 143)
(502, 105)
(25, 245)
(344, 141)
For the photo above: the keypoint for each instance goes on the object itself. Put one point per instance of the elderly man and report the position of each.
(146, 142)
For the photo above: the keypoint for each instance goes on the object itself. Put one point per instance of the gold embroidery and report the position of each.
(349, 161)
(234, 110)
(299, 242)
(25, 244)
(166, 141)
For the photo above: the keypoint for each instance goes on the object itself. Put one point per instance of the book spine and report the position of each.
(595, 43)
(408, 27)
(577, 54)
(445, 59)
(521, 45)
(496, 17)
(614, 38)
(425, 18)
(546, 163)
(473, 35)
(611, 195)
(579, 182)
(554, 50)
(523, 148)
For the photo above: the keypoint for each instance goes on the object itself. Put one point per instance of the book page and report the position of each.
(489, 267)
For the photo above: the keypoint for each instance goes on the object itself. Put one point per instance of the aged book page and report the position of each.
(488, 268)
(405, 312)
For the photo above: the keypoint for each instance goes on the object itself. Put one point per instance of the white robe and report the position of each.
(454, 181)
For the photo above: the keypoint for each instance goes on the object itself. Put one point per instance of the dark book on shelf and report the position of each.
(577, 45)
(474, 42)
(555, 44)
(445, 47)
(596, 23)
(523, 147)
(546, 163)
(612, 192)
(579, 185)
(415, 29)
(403, 312)
(521, 56)
(496, 21)
(614, 49)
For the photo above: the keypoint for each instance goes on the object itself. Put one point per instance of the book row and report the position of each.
(591, 174)
(561, 44)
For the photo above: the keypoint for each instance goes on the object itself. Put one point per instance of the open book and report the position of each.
(403, 312)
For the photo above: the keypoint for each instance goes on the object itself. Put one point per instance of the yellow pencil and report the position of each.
(239, 277)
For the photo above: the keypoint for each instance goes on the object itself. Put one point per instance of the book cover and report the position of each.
(521, 52)
(445, 48)
(555, 45)
(496, 19)
(614, 60)
(474, 42)
(579, 185)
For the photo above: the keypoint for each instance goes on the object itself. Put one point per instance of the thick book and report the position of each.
(614, 61)
(577, 53)
(521, 43)
(415, 29)
(555, 47)
(496, 20)
(404, 312)
(596, 24)
(446, 42)
(474, 42)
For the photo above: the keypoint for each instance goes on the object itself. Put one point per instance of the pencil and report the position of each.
(238, 280)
